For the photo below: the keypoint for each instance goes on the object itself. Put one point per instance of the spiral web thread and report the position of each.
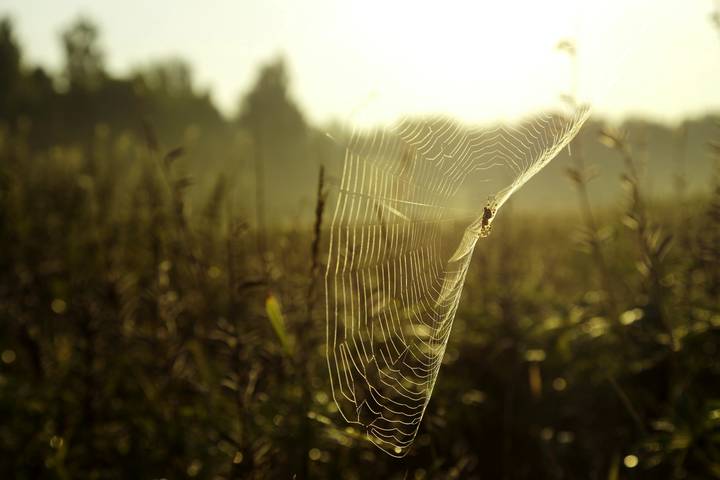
(396, 266)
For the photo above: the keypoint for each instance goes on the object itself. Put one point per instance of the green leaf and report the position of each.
(277, 320)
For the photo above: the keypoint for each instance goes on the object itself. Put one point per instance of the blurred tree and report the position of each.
(9, 66)
(84, 68)
(278, 131)
(172, 77)
(167, 96)
(268, 107)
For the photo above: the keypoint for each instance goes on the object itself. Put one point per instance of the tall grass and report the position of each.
(136, 338)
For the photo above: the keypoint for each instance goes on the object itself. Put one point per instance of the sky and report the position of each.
(378, 59)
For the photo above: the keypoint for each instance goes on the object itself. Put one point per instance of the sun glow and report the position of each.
(427, 56)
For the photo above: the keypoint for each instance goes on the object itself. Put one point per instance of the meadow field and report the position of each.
(143, 337)
(152, 327)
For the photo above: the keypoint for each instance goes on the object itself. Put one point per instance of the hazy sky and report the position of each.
(478, 60)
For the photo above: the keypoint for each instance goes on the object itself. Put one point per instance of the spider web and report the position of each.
(400, 249)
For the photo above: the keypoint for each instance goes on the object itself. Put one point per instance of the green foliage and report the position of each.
(138, 339)
(277, 320)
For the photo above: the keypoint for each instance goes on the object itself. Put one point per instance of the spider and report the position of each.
(487, 216)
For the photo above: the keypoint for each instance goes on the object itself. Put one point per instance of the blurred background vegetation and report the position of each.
(161, 310)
